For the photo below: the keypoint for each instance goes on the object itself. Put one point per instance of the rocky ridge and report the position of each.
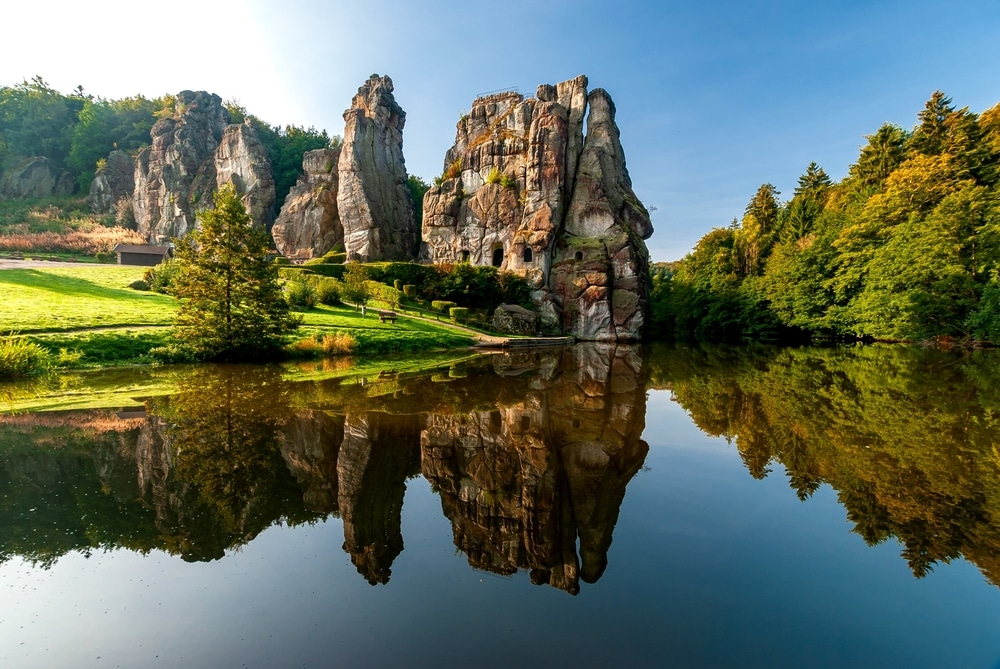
(193, 153)
(525, 191)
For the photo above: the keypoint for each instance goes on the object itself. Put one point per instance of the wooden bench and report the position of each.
(387, 316)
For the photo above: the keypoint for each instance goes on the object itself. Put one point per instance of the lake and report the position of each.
(673, 505)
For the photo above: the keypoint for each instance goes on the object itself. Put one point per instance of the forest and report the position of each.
(79, 130)
(905, 248)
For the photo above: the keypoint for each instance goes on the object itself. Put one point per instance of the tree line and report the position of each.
(905, 247)
(78, 130)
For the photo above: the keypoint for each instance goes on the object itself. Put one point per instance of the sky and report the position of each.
(713, 98)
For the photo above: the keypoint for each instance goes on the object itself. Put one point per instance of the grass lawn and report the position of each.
(57, 306)
(73, 298)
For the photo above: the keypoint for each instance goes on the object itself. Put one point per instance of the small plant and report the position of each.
(494, 176)
(20, 358)
(454, 170)
(327, 291)
(507, 181)
(301, 295)
(160, 278)
(338, 343)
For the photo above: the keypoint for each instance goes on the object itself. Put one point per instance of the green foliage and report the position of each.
(458, 314)
(301, 295)
(161, 277)
(355, 287)
(285, 147)
(232, 305)
(902, 249)
(442, 305)
(418, 187)
(36, 120)
(105, 125)
(20, 358)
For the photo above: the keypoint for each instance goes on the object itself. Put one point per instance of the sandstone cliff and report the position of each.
(35, 177)
(114, 180)
(309, 224)
(193, 153)
(523, 190)
(373, 199)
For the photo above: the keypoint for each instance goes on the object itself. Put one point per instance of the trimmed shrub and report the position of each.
(410, 291)
(458, 314)
(397, 284)
(442, 305)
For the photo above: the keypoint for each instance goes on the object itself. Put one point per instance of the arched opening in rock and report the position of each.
(497, 256)
(527, 254)
(579, 255)
(525, 423)
(465, 256)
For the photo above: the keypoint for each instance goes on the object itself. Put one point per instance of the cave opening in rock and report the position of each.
(497, 257)
(579, 255)
(527, 254)
(465, 256)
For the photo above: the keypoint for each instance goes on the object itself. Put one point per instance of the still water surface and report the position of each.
(673, 506)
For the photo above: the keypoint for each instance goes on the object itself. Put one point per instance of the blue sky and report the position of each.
(713, 98)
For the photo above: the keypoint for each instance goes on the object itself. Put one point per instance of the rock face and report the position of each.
(512, 319)
(35, 177)
(113, 181)
(524, 191)
(309, 223)
(373, 199)
(192, 154)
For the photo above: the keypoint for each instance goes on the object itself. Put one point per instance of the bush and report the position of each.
(160, 278)
(397, 284)
(327, 291)
(410, 291)
(139, 284)
(442, 305)
(20, 358)
(301, 295)
(281, 261)
(459, 314)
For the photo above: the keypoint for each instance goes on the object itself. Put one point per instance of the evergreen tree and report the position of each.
(232, 305)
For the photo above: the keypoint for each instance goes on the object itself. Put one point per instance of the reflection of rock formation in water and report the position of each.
(210, 467)
(310, 449)
(378, 454)
(521, 484)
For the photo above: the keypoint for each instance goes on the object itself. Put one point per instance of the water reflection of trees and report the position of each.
(907, 437)
(530, 454)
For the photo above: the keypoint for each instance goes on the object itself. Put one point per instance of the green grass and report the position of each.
(106, 347)
(73, 298)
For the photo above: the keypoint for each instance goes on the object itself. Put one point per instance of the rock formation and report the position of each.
(524, 191)
(373, 198)
(114, 180)
(35, 177)
(192, 154)
(309, 223)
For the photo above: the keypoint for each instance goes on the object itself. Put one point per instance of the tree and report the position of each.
(418, 187)
(232, 305)
(356, 287)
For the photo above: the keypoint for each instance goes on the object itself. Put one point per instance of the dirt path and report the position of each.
(13, 263)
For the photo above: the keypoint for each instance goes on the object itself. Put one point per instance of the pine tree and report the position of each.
(232, 305)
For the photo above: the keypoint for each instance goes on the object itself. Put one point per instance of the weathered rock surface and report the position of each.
(512, 319)
(113, 181)
(373, 199)
(524, 191)
(309, 223)
(192, 154)
(35, 177)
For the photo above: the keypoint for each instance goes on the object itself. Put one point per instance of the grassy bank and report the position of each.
(87, 317)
